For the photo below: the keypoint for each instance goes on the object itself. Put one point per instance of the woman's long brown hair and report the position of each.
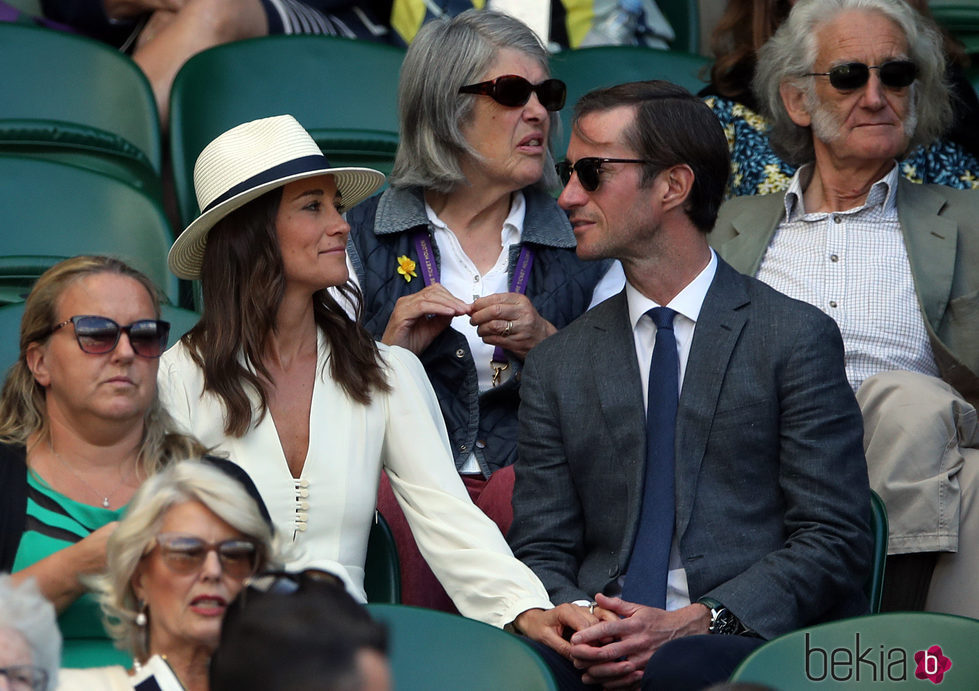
(242, 283)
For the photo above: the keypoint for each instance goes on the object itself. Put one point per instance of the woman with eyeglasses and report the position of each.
(80, 429)
(467, 260)
(30, 644)
(191, 537)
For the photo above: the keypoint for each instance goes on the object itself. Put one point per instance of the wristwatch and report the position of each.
(723, 621)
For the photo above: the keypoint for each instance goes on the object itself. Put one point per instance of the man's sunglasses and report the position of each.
(513, 91)
(185, 554)
(895, 74)
(588, 170)
(99, 335)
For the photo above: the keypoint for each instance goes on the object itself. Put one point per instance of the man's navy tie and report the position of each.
(645, 581)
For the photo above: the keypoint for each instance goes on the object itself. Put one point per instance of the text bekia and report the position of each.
(872, 663)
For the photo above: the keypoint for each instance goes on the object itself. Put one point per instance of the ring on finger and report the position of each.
(507, 330)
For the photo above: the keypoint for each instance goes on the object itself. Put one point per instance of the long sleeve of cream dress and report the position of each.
(326, 513)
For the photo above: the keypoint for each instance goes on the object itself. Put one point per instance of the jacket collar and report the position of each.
(402, 209)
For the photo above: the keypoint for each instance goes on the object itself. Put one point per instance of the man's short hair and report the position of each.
(304, 639)
(791, 53)
(671, 127)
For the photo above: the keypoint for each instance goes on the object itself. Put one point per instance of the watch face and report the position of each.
(725, 623)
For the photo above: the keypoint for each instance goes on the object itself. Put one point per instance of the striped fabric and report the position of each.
(53, 523)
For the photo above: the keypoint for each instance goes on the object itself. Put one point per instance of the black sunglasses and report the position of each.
(99, 335)
(513, 91)
(185, 554)
(588, 170)
(894, 74)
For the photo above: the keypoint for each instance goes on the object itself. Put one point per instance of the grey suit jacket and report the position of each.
(941, 234)
(772, 499)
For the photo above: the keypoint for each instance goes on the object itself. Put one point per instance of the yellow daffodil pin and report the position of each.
(406, 267)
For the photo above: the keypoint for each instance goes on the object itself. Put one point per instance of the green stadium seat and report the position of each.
(878, 651)
(436, 650)
(73, 99)
(961, 18)
(343, 91)
(684, 17)
(585, 69)
(878, 526)
(382, 574)
(54, 209)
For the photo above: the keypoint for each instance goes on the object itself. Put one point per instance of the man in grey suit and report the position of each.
(770, 530)
(896, 264)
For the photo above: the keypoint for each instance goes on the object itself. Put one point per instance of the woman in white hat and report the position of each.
(278, 375)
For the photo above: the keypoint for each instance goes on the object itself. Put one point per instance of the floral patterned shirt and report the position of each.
(757, 169)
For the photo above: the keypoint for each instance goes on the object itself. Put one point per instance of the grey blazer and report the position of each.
(941, 234)
(772, 499)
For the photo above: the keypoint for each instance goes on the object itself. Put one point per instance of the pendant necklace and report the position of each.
(104, 497)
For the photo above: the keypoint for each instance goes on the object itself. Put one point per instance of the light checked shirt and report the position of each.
(853, 265)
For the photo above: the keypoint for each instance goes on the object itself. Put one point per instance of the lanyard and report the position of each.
(518, 284)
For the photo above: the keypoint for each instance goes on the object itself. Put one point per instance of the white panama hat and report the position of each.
(249, 160)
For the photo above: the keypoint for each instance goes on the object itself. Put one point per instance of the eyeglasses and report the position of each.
(100, 335)
(587, 170)
(185, 554)
(895, 74)
(514, 91)
(25, 677)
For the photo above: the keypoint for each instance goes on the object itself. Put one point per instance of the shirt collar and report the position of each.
(512, 224)
(687, 302)
(882, 193)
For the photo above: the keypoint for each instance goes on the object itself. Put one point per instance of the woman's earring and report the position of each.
(141, 615)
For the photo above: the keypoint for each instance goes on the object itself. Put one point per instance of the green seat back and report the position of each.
(881, 648)
(382, 574)
(181, 320)
(343, 91)
(586, 69)
(684, 17)
(961, 18)
(430, 649)
(54, 209)
(878, 526)
(77, 100)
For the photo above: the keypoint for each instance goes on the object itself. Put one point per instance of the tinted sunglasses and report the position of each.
(100, 335)
(895, 74)
(25, 677)
(513, 91)
(185, 554)
(588, 170)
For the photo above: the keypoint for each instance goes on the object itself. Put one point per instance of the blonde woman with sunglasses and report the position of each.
(80, 430)
(193, 534)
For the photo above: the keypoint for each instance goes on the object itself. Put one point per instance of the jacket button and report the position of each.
(464, 448)
(460, 353)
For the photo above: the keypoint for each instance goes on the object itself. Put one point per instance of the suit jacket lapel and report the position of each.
(931, 242)
(718, 329)
(619, 388)
(755, 227)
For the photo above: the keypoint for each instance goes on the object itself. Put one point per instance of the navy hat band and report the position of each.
(294, 167)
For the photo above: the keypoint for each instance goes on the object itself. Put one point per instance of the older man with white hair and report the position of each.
(851, 86)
